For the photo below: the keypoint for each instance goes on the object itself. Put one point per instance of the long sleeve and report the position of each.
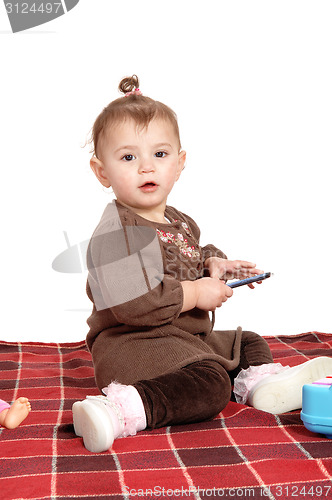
(158, 307)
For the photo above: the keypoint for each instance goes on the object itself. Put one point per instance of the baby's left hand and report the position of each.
(230, 269)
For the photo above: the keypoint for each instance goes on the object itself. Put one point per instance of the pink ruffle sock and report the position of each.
(130, 404)
(248, 378)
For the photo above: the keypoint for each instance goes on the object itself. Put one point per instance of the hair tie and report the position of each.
(133, 92)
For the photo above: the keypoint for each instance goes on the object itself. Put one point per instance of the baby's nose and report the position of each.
(146, 166)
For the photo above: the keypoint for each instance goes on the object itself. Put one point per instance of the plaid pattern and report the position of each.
(243, 453)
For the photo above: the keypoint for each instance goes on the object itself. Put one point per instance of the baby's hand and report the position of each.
(211, 293)
(230, 269)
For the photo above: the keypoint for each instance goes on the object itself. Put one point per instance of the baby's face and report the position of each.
(141, 165)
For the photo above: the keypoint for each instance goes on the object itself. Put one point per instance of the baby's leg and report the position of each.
(15, 415)
(191, 394)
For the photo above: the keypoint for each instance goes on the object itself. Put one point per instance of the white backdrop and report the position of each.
(251, 83)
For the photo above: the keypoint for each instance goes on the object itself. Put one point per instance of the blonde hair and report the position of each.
(133, 106)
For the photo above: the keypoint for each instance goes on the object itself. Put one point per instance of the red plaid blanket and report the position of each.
(243, 453)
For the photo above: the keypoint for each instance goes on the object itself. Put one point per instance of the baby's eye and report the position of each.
(161, 154)
(128, 157)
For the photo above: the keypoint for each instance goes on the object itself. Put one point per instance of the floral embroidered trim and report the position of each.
(186, 228)
(179, 241)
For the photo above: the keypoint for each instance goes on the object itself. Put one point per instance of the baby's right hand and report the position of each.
(211, 293)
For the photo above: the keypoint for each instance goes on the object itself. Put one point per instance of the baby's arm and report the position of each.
(205, 293)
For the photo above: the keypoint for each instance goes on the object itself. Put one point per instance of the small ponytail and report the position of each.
(129, 84)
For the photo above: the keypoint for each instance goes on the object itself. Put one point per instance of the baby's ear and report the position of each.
(99, 171)
(181, 164)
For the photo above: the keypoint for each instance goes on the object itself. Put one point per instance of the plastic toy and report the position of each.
(316, 411)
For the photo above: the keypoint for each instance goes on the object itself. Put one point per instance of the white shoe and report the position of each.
(282, 392)
(98, 421)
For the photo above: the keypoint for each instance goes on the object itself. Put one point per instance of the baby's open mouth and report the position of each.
(148, 186)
